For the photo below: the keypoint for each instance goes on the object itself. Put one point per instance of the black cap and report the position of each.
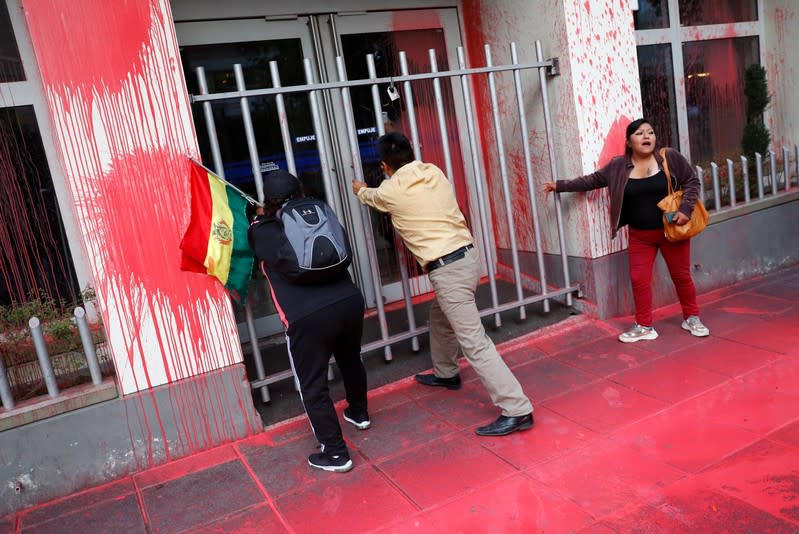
(280, 185)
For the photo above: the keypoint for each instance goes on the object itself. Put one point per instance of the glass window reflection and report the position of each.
(651, 14)
(702, 12)
(716, 105)
(10, 63)
(656, 72)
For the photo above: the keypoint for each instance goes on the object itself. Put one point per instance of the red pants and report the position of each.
(643, 249)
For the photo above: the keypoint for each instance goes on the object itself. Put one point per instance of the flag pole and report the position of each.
(239, 191)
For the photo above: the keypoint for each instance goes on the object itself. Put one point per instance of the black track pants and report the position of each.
(335, 329)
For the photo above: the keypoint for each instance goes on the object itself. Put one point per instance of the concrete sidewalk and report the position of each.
(679, 434)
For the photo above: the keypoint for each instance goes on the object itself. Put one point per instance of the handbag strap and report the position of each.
(666, 168)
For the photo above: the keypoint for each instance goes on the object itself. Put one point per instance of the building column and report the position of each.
(123, 131)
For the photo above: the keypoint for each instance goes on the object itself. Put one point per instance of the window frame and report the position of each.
(676, 35)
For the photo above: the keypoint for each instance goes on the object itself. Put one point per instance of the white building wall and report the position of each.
(781, 44)
(596, 95)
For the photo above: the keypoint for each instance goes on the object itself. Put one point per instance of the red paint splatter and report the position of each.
(614, 141)
(89, 35)
(476, 38)
(123, 147)
(413, 20)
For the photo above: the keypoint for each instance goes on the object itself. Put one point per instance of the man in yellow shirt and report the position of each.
(425, 213)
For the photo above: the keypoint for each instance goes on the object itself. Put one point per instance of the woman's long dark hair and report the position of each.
(631, 129)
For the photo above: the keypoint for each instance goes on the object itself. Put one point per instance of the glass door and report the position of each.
(217, 45)
(253, 43)
(384, 35)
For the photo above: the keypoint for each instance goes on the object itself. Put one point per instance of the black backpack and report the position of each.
(316, 248)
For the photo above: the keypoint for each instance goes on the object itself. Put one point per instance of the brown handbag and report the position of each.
(671, 203)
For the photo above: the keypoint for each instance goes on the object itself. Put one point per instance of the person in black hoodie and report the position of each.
(320, 320)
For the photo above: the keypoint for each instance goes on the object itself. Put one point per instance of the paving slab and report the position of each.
(679, 434)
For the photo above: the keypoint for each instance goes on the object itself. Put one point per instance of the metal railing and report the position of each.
(744, 182)
(45, 368)
(460, 78)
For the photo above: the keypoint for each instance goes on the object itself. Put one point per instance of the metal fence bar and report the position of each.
(773, 170)
(745, 173)
(216, 155)
(5, 389)
(88, 346)
(528, 169)
(786, 166)
(759, 170)
(407, 95)
(714, 169)
(284, 122)
(731, 181)
(355, 153)
(503, 173)
(39, 344)
(700, 175)
(396, 338)
(356, 83)
(554, 172)
(477, 168)
(442, 118)
(321, 141)
(252, 147)
(381, 130)
(255, 164)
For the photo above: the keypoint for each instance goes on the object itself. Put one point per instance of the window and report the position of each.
(657, 90)
(10, 62)
(692, 57)
(35, 257)
(714, 94)
(651, 14)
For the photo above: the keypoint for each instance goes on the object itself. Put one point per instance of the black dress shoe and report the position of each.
(432, 380)
(505, 425)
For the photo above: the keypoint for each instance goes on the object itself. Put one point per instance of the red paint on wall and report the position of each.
(475, 39)
(614, 142)
(94, 50)
(123, 142)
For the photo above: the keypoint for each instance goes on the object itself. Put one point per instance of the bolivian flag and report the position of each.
(216, 240)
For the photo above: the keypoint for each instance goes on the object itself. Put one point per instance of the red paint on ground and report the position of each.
(721, 460)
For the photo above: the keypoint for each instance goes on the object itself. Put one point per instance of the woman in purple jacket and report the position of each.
(636, 182)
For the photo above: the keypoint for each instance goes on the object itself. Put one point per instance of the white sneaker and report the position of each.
(360, 421)
(637, 333)
(695, 326)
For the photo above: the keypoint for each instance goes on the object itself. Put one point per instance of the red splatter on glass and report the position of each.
(34, 254)
(656, 72)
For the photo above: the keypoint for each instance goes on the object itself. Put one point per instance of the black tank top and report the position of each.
(641, 196)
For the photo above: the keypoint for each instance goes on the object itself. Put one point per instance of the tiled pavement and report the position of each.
(674, 435)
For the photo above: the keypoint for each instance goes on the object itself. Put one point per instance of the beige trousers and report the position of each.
(455, 322)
